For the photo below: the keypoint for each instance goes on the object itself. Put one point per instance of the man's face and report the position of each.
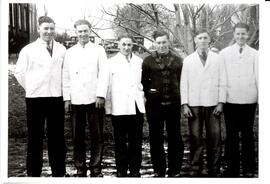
(162, 44)
(46, 31)
(240, 35)
(125, 46)
(202, 41)
(83, 33)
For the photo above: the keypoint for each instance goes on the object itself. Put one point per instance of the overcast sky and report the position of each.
(66, 14)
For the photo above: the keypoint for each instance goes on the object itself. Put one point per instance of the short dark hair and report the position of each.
(241, 25)
(124, 35)
(200, 31)
(159, 33)
(45, 19)
(82, 22)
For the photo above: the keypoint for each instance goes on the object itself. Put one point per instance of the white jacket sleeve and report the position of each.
(184, 83)
(222, 86)
(103, 74)
(66, 79)
(21, 67)
(256, 69)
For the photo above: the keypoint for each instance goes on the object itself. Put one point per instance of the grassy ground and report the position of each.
(17, 140)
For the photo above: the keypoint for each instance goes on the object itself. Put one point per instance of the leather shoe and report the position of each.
(121, 174)
(136, 175)
(158, 175)
(99, 175)
(175, 175)
(195, 174)
(248, 175)
(230, 174)
(81, 173)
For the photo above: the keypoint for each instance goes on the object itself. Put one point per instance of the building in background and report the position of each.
(22, 25)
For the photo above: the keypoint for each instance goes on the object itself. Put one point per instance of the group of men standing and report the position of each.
(83, 81)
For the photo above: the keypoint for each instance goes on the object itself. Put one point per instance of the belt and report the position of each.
(166, 103)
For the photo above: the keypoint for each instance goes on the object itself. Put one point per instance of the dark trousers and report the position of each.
(204, 116)
(128, 143)
(239, 118)
(157, 114)
(95, 117)
(51, 110)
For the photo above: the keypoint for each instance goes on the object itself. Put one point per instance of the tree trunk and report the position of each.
(179, 33)
(187, 30)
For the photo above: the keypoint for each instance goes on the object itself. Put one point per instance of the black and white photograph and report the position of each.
(111, 90)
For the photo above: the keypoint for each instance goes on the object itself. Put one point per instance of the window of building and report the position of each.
(19, 17)
(13, 15)
(25, 18)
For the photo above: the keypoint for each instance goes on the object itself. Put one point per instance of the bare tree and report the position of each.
(184, 20)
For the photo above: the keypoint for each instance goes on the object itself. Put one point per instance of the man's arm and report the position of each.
(67, 106)
(186, 111)
(21, 67)
(145, 77)
(218, 109)
(222, 86)
(184, 84)
(103, 79)
(256, 69)
(66, 79)
(184, 90)
(222, 82)
(100, 102)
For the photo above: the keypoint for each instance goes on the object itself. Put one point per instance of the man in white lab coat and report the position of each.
(125, 102)
(82, 67)
(39, 72)
(203, 93)
(241, 63)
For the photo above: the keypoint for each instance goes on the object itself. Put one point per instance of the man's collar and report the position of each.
(44, 42)
(126, 57)
(163, 55)
(81, 46)
(200, 51)
(238, 46)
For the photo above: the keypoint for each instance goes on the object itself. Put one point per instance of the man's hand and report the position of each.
(67, 106)
(218, 110)
(187, 112)
(100, 102)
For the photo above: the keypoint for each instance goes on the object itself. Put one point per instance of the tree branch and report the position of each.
(228, 18)
(211, 11)
(219, 17)
(198, 11)
(142, 11)
(134, 31)
(155, 13)
(217, 39)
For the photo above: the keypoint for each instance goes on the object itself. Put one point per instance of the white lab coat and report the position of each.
(81, 73)
(203, 85)
(242, 74)
(122, 85)
(39, 73)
